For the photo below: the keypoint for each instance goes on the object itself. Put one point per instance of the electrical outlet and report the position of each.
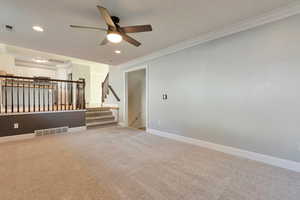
(16, 125)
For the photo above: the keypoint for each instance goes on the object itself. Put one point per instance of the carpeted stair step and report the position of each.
(98, 109)
(100, 118)
(102, 124)
(98, 113)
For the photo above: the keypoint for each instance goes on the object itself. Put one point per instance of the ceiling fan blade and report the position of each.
(88, 27)
(130, 40)
(105, 14)
(104, 42)
(137, 29)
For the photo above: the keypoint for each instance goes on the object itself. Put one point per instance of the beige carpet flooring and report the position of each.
(124, 164)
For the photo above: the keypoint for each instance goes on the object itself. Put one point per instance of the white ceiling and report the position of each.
(173, 21)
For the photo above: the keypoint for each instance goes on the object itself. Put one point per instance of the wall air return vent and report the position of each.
(51, 131)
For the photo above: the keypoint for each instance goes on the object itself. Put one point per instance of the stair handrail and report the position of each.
(106, 87)
(105, 90)
(114, 93)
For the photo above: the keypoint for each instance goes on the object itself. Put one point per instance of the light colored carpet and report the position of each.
(122, 164)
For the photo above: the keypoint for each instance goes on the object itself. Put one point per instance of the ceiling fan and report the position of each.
(116, 33)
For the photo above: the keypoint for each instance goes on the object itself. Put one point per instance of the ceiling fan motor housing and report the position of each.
(115, 19)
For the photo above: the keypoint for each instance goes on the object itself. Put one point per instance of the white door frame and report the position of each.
(125, 75)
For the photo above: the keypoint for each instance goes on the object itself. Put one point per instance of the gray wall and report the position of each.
(241, 91)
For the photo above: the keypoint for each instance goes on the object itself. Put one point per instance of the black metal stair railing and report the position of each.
(39, 94)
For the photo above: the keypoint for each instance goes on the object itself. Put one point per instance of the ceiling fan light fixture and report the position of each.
(114, 37)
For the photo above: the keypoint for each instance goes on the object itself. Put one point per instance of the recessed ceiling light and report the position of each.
(38, 28)
(117, 51)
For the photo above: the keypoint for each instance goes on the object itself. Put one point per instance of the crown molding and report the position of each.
(281, 13)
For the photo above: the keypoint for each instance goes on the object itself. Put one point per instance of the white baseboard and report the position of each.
(17, 137)
(278, 162)
(77, 129)
(122, 124)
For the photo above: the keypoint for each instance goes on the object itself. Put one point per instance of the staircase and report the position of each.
(103, 116)
(100, 117)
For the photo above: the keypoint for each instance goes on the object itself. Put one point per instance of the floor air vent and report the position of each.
(51, 131)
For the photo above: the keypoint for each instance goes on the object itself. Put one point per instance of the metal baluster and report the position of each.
(66, 94)
(61, 105)
(56, 95)
(81, 102)
(23, 95)
(39, 87)
(33, 95)
(52, 87)
(1, 95)
(77, 99)
(79, 92)
(43, 89)
(29, 85)
(49, 96)
(5, 95)
(18, 96)
(72, 96)
(12, 95)
(83, 93)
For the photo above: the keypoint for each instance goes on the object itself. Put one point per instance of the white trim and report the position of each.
(16, 137)
(125, 76)
(122, 124)
(281, 13)
(136, 68)
(278, 162)
(77, 129)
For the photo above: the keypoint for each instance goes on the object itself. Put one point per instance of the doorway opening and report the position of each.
(136, 99)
